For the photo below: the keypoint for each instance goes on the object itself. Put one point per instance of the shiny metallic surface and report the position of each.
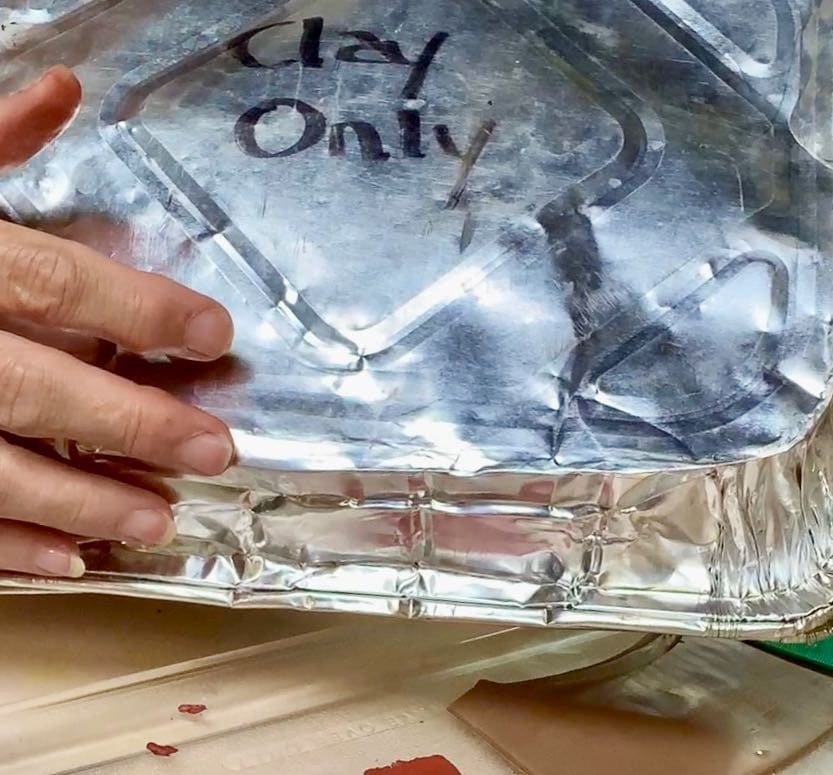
(533, 299)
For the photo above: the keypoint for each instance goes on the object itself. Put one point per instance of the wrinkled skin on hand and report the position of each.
(62, 306)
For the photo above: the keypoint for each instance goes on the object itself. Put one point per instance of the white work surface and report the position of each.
(59, 644)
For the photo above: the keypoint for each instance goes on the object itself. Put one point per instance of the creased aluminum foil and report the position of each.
(533, 298)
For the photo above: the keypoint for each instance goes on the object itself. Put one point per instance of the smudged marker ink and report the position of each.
(161, 750)
(484, 134)
(429, 765)
(192, 710)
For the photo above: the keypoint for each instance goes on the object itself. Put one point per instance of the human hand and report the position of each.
(60, 304)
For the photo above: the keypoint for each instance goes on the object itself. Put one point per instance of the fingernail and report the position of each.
(207, 454)
(148, 528)
(37, 80)
(208, 335)
(57, 562)
(51, 73)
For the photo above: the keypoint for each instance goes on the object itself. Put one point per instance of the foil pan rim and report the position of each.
(798, 628)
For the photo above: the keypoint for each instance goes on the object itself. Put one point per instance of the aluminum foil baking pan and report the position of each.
(533, 298)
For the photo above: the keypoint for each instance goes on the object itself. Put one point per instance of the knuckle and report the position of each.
(133, 426)
(145, 424)
(19, 383)
(136, 316)
(41, 283)
(74, 511)
(7, 477)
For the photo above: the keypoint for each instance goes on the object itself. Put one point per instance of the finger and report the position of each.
(32, 117)
(40, 552)
(45, 393)
(85, 348)
(152, 482)
(50, 494)
(61, 284)
(118, 469)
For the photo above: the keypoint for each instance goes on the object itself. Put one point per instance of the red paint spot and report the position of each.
(430, 765)
(161, 750)
(192, 710)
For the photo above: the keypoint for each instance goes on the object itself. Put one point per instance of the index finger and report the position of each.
(33, 116)
(62, 284)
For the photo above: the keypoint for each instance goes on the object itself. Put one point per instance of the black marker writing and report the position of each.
(410, 134)
(315, 127)
(239, 47)
(420, 68)
(369, 141)
(311, 42)
(446, 141)
(370, 49)
(388, 50)
(308, 49)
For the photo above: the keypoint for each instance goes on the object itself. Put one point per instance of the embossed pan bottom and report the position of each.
(533, 299)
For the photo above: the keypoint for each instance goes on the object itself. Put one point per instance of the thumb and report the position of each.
(34, 116)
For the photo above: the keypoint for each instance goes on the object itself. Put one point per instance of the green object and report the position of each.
(817, 655)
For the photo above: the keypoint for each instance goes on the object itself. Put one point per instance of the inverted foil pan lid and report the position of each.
(533, 299)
